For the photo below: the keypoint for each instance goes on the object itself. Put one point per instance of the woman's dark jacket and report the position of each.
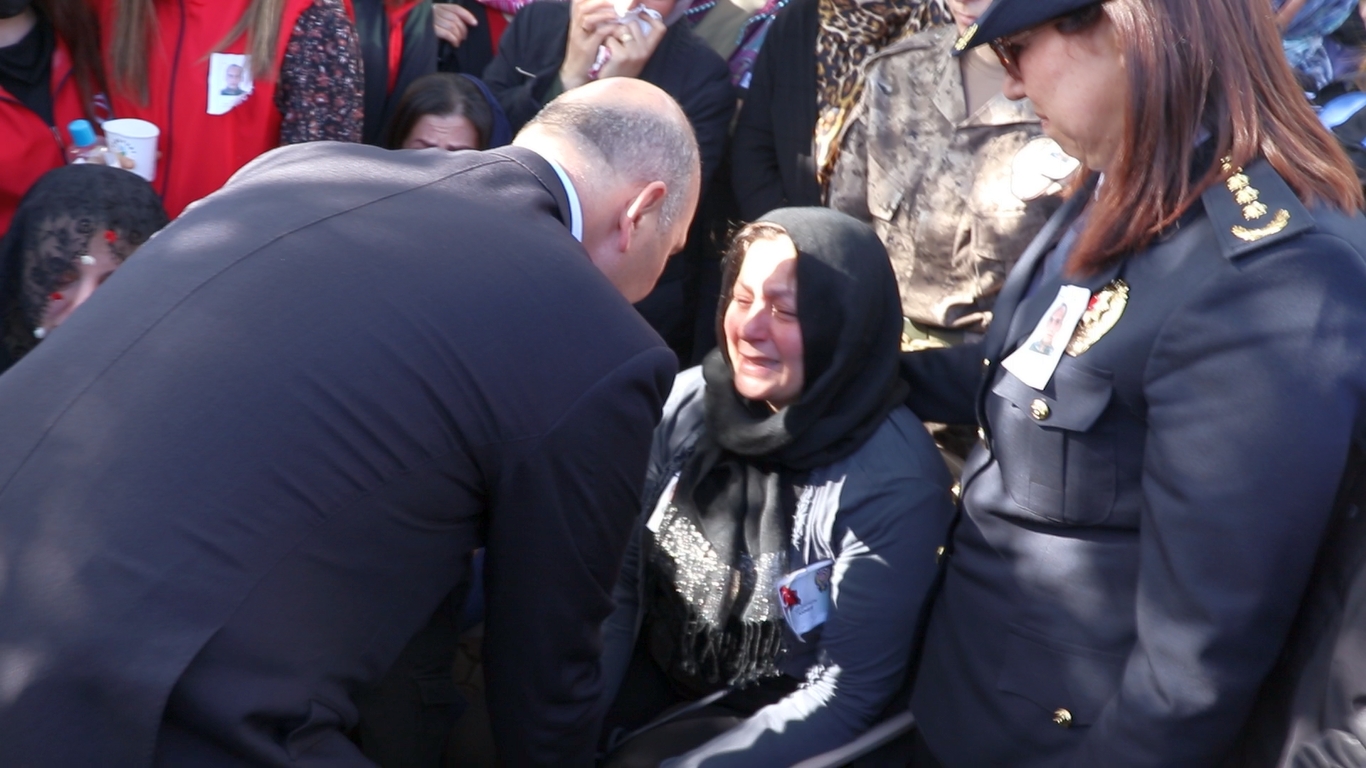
(533, 48)
(771, 157)
(1136, 535)
(878, 513)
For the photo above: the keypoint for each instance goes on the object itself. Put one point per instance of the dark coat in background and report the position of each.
(476, 51)
(237, 481)
(532, 50)
(1136, 536)
(772, 156)
(1311, 712)
(417, 58)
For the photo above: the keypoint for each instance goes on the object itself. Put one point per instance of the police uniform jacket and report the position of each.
(236, 482)
(1135, 536)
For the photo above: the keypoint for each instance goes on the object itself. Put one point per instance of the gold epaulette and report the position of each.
(1253, 208)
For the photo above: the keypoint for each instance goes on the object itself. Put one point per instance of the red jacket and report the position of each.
(31, 147)
(199, 151)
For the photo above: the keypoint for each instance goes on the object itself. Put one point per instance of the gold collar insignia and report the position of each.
(965, 38)
(1102, 312)
(1245, 195)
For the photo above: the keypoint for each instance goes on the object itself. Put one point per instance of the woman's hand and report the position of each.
(453, 22)
(631, 48)
(591, 22)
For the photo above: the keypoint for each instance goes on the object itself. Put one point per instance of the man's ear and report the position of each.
(648, 200)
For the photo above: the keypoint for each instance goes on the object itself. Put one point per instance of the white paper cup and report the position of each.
(137, 140)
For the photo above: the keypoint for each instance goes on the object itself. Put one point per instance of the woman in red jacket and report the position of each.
(226, 80)
(49, 75)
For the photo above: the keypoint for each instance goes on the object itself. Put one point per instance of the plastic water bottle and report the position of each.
(87, 147)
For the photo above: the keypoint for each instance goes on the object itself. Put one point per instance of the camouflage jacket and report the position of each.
(936, 183)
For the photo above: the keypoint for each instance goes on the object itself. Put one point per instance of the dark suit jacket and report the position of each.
(532, 50)
(235, 484)
(1134, 538)
(772, 163)
(1309, 713)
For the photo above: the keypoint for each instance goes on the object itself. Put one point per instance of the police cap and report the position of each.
(1006, 17)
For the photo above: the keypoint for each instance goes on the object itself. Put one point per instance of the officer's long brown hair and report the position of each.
(1197, 66)
(135, 23)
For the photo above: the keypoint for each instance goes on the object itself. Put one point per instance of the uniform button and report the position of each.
(938, 554)
(1039, 410)
(1062, 717)
(986, 362)
(981, 434)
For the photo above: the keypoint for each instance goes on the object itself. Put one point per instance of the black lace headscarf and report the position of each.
(736, 488)
(53, 228)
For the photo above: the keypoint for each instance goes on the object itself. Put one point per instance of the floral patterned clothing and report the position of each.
(321, 94)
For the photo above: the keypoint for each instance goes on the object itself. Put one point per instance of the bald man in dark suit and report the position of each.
(236, 483)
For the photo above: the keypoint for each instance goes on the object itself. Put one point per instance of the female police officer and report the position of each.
(1139, 519)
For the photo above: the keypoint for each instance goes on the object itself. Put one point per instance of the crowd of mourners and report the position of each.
(1023, 373)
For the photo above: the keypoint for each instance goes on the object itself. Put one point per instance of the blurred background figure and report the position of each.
(304, 64)
(807, 79)
(398, 45)
(72, 230)
(469, 32)
(448, 111)
(1305, 26)
(552, 47)
(50, 75)
(736, 30)
(1325, 42)
(956, 204)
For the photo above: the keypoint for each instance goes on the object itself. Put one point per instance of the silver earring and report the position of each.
(87, 260)
(39, 333)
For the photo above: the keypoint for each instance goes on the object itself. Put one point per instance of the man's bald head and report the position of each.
(632, 157)
(624, 127)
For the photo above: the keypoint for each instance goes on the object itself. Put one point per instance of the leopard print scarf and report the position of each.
(850, 32)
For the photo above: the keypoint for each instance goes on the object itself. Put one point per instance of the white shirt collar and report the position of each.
(575, 210)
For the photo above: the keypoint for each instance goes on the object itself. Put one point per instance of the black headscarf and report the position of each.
(52, 229)
(736, 487)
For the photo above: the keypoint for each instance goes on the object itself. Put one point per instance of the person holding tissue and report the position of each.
(552, 47)
(791, 516)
